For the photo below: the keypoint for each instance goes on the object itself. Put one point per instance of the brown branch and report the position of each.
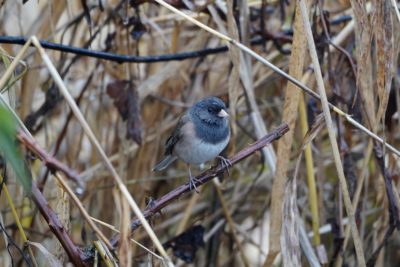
(75, 254)
(51, 162)
(206, 176)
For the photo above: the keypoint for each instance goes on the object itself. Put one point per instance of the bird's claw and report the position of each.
(192, 182)
(226, 163)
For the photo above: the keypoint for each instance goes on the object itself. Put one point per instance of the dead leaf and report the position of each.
(126, 101)
(50, 258)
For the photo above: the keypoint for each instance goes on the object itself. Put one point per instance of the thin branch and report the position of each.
(371, 262)
(82, 209)
(51, 162)
(206, 176)
(280, 37)
(19, 40)
(75, 254)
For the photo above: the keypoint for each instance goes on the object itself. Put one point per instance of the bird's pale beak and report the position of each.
(223, 114)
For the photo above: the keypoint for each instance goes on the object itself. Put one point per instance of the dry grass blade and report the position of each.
(306, 246)
(292, 97)
(290, 242)
(230, 221)
(312, 186)
(332, 137)
(51, 260)
(315, 128)
(385, 54)
(107, 257)
(363, 46)
(85, 214)
(16, 218)
(188, 210)
(396, 10)
(234, 77)
(111, 227)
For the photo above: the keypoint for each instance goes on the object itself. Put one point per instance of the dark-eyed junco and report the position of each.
(200, 135)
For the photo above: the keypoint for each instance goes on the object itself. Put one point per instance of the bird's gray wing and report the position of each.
(176, 135)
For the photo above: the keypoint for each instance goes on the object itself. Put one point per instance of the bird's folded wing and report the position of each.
(176, 135)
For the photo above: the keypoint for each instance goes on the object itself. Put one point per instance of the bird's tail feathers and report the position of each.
(164, 163)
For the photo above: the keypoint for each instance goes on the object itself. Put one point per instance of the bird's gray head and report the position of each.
(210, 110)
(210, 119)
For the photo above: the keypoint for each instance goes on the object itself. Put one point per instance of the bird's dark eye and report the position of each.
(210, 109)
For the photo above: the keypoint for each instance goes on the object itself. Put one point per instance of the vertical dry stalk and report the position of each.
(312, 187)
(331, 132)
(63, 212)
(234, 77)
(230, 221)
(363, 48)
(292, 97)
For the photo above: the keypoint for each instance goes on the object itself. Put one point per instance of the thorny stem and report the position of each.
(206, 176)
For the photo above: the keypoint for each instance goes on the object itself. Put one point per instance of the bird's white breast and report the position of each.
(193, 150)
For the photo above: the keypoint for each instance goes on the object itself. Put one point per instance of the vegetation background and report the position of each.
(325, 194)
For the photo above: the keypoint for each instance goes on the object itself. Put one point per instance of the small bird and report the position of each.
(200, 135)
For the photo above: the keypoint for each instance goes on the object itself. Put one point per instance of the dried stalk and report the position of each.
(336, 155)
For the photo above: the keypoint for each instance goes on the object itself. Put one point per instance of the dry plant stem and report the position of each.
(7, 75)
(356, 198)
(313, 197)
(245, 73)
(105, 254)
(63, 209)
(280, 72)
(85, 214)
(95, 142)
(230, 221)
(188, 210)
(396, 10)
(206, 176)
(332, 137)
(306, 245)
(290, 114)
(76, 256)
(51, 162)
(112, 228)
(17, 220)
(13, 65)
